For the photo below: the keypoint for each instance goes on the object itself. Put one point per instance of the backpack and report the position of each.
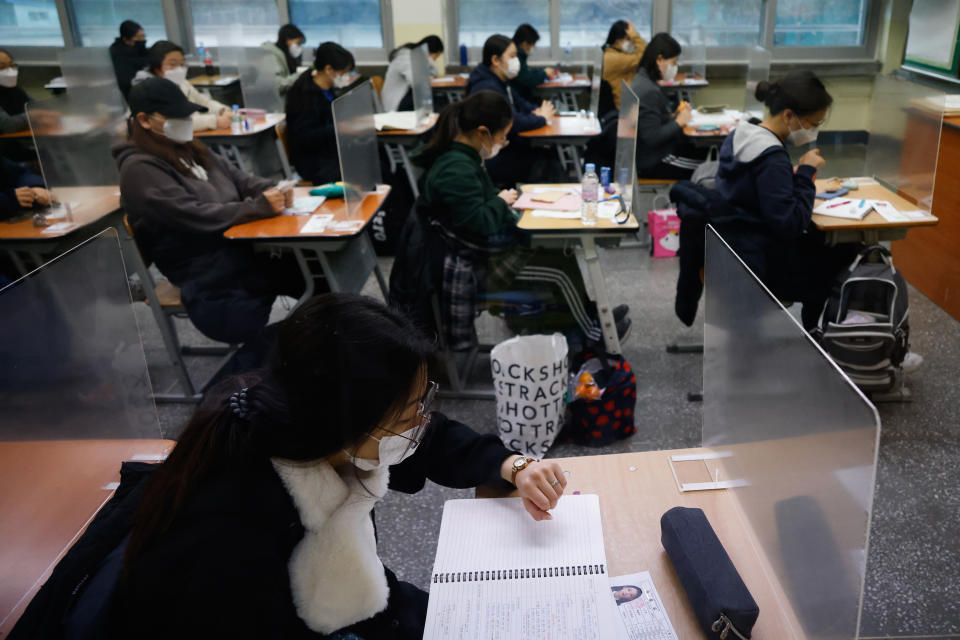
(863, 326)
(705, 175)
(611, 416)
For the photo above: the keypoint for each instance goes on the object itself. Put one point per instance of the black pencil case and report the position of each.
(720, 600)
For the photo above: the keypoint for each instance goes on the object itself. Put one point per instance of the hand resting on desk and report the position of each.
(534, 485)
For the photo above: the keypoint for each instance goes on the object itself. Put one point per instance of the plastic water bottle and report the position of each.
(236, 121)
(463, 55)
(207, 61)
(588, 194)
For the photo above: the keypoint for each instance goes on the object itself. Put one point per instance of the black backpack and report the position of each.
(864, 324)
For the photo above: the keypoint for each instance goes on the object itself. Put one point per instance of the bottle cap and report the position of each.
(236, 106)
(591, 167)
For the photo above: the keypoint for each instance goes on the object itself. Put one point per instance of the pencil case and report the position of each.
(329, 190)
(721, 601)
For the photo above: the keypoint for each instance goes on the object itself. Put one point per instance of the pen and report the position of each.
(861, 203)
(831, 206)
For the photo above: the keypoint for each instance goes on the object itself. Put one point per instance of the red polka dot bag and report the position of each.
(603, 397)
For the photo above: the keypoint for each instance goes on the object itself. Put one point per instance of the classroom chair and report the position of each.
(284, 150)
(377, 83)
(165, 304)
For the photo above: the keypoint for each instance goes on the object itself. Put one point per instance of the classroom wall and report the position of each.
(415, 19)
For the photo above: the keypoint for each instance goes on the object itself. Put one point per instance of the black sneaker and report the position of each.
(623, 328)
(620, 312)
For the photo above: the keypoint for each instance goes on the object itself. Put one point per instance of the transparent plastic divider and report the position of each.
(258, 80)
(74, 367)
(758, 70)
(625, 160)
(420, 77)
(800, 442)
(905, 123)
(695, 53)
(597, 66)
(357, 146)
(230, 59)
(89, 71)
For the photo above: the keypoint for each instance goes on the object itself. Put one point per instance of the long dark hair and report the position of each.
(481, 109)
(289, 32)
(800, 91)
(343, 365)
(495, 46)
(618, 31)
(299, 98)
(661, 44)
(434, 45)
(167, 150)
(158, 51)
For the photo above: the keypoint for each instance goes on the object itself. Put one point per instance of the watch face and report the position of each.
(520, 462)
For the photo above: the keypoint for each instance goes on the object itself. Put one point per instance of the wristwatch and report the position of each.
(519, 464)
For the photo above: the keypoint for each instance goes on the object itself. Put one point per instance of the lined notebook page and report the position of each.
(498, 573)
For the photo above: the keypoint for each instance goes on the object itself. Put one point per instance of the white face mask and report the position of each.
(178, 129)
(803, 136)
(492, 152)
(513, 68)
(177, 74)
(295, 50)
(8, 77)
(627, 46)
(392, 450)
(342, 81)
(670, 73)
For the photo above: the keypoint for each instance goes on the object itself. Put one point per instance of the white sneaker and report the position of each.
(911, 362)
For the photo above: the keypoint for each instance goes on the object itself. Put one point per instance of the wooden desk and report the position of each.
(396, 142)
(635, 489)
(28, 246)
(567, 134)
(559, 233)
(51, 491)
(579, 81)
(453, 86)
(344, 259)
(928, 257)
(873, 228)
(565, 94)
(26, 133)
(258, 151)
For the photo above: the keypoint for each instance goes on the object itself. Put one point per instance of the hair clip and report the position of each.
(238, 404)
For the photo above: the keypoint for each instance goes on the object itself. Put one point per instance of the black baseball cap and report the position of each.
(159, 95)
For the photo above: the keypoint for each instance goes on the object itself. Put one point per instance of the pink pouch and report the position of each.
(664, 225)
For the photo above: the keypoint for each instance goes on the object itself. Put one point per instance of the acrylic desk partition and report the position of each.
(357, 146)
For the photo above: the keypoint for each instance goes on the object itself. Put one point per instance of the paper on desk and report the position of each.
(888, 212)
(395, 120)
(727, 117)
(444, 79)
(59, 210)
(572, 214)
(222, 82)
(347, 225)
(307, 204)
(644, 618)
(317, 223)
(562, 78)
(60, 227)
(850, 208)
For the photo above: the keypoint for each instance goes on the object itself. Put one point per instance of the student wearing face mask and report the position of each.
(260, 522)
(525, 38)
(181, 198)
(519, 162)
(663, 150)
(165, 60)
(459, 194)
(621, 56)
(129, 54)
(311, 137)
(13, 99)
(288, 50)
(757, 176)
(397, 91)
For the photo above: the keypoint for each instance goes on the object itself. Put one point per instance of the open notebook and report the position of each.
(499, 574)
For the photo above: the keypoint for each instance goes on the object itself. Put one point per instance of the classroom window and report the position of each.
(234, 22)
(99, 21)
(723, 23)
(30, 23)
(820, 23)
(480, 19)
(353, 24)
(586, 23)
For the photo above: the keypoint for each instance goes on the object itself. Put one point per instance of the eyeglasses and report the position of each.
(416, 433)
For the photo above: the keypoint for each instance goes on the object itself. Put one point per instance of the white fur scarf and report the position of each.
(336, 575)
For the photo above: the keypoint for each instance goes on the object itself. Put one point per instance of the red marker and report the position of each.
(838, 204)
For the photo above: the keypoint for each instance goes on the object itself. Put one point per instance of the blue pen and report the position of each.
(861, 203)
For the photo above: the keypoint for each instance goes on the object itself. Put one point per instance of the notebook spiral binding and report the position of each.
(519, 574)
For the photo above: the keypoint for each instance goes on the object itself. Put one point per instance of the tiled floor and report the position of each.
(914, 555)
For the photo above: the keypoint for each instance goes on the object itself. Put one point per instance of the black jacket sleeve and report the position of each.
(452, 455)
(652, 131)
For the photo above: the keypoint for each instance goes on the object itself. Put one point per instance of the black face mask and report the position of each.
(140, 47)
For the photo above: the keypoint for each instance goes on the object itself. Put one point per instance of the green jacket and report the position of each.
(459, 192)
(527, 80)
(285, 79)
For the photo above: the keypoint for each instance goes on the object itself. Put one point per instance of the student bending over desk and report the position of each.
(181, 198)
(486, 250)
(260, 522)
(756, 176)
(397, 91)
(311, 136)
(165, 60)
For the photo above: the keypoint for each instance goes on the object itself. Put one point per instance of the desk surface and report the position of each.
(604, 225)
(873, 220)
(50, 492)
(259, 126)
(456, 81)
(635, 489)
(288, 227)
(213, 81)
(566, 127)
(92, 204)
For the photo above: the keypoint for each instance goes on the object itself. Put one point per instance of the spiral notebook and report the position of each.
(500, 574)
